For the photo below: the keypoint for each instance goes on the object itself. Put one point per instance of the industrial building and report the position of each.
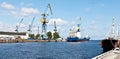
(13, 35)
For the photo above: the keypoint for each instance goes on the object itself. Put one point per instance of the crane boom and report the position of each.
(50, 9)
(17, 26)
(30, 26)
(20, 22)
(32, 20)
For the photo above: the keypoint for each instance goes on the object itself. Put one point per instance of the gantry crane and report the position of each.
(17, 26)
(30, 26)
(44, 21)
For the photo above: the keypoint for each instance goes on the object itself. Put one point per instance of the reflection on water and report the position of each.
(50, 50)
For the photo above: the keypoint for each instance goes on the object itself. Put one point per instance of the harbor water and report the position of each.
(50, 50)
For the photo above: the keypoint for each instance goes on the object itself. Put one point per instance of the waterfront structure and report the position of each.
(13, 35)
(112, 54)
(44, 23)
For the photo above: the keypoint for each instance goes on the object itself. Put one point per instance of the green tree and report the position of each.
(49, 34)
(37, 36)
(32, 36)
(56, 35)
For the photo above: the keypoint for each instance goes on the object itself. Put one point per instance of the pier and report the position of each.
(112, 54)
(24, 40)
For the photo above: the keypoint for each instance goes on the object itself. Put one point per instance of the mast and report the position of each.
(78, 34)
(78, 26)
(113, 29)
(118, 34)
(118, 30)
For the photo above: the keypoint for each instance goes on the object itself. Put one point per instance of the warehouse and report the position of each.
(13, 35)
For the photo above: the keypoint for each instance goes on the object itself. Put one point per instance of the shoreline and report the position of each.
(25, 40)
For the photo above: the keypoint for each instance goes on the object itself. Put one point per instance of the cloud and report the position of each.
(25, 12)
(59, 21)
(24, 4)
(93, 25)
(28, 11)
(7, 6)
(4, 12)
(11, 28)
(16, 11)
(6, 27)
(22, 25)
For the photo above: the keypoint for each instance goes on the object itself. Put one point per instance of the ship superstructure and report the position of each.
(75, 35)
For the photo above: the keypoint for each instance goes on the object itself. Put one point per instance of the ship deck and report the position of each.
(112, 54)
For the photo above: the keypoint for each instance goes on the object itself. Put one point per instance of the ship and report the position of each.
(110, 45)
(75, 35)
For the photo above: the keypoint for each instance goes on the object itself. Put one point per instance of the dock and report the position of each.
(24, 40)
(112, 54)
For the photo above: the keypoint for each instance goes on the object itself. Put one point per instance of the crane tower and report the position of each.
(44, 22)
(55, 27)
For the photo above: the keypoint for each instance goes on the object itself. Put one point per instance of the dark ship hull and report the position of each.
(76, 39)
(108, 44)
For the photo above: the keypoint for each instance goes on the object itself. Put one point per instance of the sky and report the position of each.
(96, 16)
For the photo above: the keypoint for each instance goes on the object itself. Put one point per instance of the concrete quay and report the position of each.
(112, 54)
(24, 40)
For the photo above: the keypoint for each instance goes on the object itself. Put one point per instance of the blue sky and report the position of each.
(96, 15)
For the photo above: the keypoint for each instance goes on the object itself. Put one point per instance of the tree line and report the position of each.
(51, 36)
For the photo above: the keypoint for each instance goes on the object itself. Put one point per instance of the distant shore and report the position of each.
(25, 40)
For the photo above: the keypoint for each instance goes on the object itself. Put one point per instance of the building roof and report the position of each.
(12, 33)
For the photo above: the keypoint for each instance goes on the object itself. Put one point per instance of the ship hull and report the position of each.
(76, 39)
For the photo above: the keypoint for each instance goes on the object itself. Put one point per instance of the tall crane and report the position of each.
(44, 21)
(30, 26)
(55, 27)
(17, 26)
(38, 30)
